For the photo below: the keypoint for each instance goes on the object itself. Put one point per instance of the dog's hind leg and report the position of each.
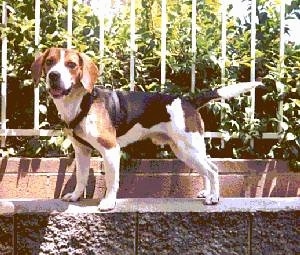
(212, 183)
(207, 182)
(195, 158)
(186, 130)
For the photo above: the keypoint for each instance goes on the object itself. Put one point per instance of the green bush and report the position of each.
(235, 113)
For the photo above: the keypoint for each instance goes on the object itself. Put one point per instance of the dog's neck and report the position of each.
(68, 107)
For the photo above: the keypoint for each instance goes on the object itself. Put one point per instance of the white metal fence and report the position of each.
(36, 131)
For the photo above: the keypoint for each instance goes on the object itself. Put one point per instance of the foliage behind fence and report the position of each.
(235, 113)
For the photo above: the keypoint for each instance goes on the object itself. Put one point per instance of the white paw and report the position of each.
(203, 194)
(71, 197)
(107, 204)
(211, 199)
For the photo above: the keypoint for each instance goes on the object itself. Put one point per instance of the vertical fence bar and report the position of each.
(37, 20)
(223, 41)
(281, 62)
(252, 57)
(223, 50)
(4, 74)
(194, 44)
(69, 24)
(132, 43)
(253, 41)
(163, 43)
(101, 41)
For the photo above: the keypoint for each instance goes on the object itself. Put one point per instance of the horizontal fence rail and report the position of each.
(105, 7)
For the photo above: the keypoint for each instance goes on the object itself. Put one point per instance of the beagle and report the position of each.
(108, 120)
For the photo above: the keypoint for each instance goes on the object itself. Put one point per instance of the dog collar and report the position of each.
(85, 106)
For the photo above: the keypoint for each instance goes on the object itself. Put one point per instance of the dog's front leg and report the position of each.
(111, 159)
(82, 159)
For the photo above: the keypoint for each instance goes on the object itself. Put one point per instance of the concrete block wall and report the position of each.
(251, 226)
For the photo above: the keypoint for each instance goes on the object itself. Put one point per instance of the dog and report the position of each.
(108, 120)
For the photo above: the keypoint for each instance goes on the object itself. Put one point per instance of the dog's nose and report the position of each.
(54, 76)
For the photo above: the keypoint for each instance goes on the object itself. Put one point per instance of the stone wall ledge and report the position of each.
(250, 226)
(146, 205)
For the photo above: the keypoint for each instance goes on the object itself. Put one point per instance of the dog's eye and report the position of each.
(49, 62)
(71, 64)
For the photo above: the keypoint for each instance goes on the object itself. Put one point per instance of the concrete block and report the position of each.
(6, 234)
(151, 226)
(276, 233)
(193, 233)
(75, 233)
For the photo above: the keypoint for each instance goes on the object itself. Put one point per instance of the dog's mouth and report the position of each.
(59, 92)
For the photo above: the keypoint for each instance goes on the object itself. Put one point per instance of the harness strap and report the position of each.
(116, 104)
(85, 106)
(82, 141)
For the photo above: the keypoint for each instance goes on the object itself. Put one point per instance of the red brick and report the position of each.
(61, 185)
(155, 166)
(49, 178)
(250, 165)
(275, 185)
(232, 186)
(46, 165)
(28, 186)
(159, 186)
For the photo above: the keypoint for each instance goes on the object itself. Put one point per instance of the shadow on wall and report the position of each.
(54, 177)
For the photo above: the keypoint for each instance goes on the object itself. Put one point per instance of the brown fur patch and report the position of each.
(107, 133)
(106, 142)
(51, 58)
(193, 120)
(89, 72)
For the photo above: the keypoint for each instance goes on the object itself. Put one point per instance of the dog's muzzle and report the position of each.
(55, 90)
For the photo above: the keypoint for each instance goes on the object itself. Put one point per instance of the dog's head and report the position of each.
(65, 70)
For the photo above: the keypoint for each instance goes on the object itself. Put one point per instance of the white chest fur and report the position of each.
(69, 106)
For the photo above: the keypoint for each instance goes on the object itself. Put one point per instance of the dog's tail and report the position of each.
(226, 92)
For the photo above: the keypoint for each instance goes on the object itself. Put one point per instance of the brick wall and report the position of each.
(51, 177)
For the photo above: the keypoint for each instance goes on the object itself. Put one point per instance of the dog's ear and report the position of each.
(89, 74)
(37, 67)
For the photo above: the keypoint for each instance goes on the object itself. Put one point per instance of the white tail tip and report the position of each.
(237, 89)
